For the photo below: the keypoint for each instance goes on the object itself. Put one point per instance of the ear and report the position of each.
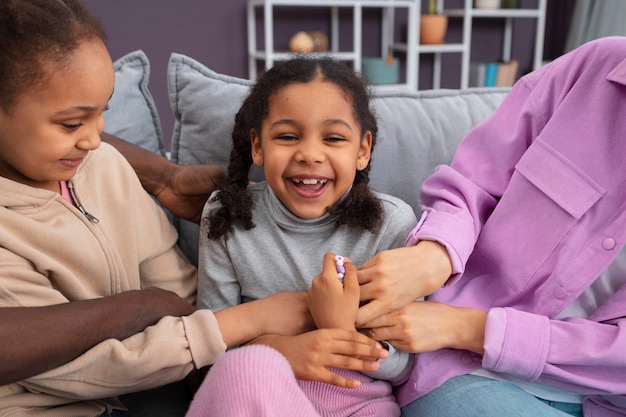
(257, 150)
(365, 151)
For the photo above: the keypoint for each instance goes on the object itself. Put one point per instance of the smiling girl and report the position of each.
(308, 124)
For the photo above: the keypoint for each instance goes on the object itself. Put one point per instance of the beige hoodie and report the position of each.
(51, 253)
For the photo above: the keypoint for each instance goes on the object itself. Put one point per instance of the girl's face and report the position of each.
(311, 146)
(54, 125)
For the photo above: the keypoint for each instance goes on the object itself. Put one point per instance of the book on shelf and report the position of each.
(507, 73)
(493, 74)
(477, 74)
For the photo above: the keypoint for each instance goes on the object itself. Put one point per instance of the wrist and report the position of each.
(469, 331)
(258, 325)
(266, 339)
(154, 181)
(439, 263)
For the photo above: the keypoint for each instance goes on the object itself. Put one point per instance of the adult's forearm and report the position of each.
(36, 339)
(181, 189)
(151, 168)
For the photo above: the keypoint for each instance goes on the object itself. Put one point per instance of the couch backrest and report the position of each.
(418, 130)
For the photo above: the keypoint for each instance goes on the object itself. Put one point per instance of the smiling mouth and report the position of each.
(310, 181)
(309, 184)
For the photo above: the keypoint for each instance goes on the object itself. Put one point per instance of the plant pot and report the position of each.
(433, 28)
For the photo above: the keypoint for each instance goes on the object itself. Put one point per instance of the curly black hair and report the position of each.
(361, 208)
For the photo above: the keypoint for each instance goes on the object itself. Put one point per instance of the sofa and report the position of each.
(418, 130)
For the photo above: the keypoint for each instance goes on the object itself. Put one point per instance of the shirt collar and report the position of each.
(618, 74)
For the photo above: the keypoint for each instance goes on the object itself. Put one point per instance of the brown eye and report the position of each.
(335, 139)
(72, 126)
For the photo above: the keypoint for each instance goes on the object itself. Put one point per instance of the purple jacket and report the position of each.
(532, 210)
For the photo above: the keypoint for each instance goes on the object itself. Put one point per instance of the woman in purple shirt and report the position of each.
(531, 220)
(520, 248)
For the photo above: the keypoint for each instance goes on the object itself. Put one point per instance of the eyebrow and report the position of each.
(75, 109)
(81, 108)
(329, 122)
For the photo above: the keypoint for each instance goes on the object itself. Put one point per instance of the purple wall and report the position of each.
(210, 31)
(214, 33)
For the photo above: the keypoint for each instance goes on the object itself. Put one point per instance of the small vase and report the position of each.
(433, 28)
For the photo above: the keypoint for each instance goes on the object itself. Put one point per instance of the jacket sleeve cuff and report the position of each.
(417, 235)
(516, 343)
(205, 339)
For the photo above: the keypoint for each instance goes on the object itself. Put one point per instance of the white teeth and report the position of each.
(310, 181)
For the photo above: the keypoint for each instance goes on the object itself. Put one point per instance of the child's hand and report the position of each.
(312, 355)
(332, 304)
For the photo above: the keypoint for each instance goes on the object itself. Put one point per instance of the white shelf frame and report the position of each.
(270, 56)
(412, 48)
(468, 13)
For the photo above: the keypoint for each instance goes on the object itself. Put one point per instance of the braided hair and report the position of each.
(360, 208)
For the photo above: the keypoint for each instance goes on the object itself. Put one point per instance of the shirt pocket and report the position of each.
(546, 197)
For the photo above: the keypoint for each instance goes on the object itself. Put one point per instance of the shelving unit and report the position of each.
(269, 55)
(468, 13)
(412, 48)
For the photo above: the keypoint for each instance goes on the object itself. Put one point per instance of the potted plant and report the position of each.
(433, 26)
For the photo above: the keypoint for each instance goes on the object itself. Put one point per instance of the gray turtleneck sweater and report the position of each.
(285, 252)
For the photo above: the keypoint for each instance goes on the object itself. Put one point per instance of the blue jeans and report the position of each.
(476, 396)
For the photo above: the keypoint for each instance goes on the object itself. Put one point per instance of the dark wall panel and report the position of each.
(214, 33)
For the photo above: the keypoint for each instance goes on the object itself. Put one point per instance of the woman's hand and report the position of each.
(425, 326)
(333, 304)
(396, 277)
(312, 354)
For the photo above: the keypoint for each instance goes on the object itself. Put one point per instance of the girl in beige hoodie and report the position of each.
(77, 224)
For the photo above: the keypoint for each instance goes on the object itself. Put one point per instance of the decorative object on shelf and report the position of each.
(305, 42)
(510, 4)
(433, 26)
(380, 71)
(320, 41)
(487, 4)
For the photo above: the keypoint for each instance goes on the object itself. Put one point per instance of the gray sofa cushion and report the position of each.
(418, 130)
(132, 113)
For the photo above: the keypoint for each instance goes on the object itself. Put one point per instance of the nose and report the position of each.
(309, 152)
(90, 139)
